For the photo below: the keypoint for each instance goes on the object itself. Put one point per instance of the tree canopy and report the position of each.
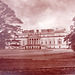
(7, 16)
(71, 37)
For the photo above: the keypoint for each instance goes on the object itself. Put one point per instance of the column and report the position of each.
(32, 41)
(36, 41)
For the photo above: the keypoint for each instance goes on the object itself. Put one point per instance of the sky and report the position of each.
(43, 14)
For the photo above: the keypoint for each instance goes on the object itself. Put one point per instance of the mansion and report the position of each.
(29, 39)
(39, 39)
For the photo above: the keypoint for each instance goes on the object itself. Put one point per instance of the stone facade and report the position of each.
(44, 39)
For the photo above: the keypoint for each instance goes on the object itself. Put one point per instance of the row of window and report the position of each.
(32, 47)
(52, 42)
(59, 41)
(33, 41)
(36, 41)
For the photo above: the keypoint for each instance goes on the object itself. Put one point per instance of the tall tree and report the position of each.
(71, 36)
(7, 16)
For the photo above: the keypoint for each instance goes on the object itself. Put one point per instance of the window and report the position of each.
(50, 42)
(35, 42)
(59, 41)
(45, 42)
(41, 42)
(30, 41)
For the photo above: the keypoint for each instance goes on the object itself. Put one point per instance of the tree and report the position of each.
(7, 16)
(71, 37)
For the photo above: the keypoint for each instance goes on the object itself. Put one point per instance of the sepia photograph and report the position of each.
(37, 37)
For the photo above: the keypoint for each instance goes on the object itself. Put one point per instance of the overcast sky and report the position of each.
(39, 14)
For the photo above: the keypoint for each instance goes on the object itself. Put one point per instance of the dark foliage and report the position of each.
(71, 37)
(7, 16)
